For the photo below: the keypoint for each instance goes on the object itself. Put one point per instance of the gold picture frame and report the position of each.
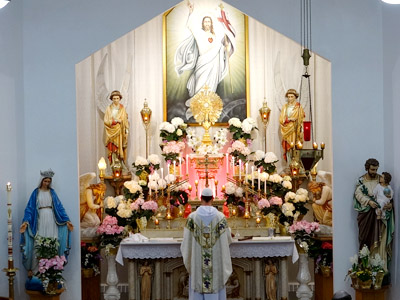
(179, 32)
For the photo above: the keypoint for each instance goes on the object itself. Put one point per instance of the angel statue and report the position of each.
(91, 202)
(116, 124)
(291, 121)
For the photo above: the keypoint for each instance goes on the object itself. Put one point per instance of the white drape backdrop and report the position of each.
(133, 64)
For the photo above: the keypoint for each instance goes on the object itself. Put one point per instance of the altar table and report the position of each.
(251, 250)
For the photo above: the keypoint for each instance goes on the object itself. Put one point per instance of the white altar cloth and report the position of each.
(153, 249)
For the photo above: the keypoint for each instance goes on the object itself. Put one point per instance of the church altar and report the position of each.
(248, 259)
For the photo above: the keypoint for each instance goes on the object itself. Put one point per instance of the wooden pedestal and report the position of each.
(371, 294)
(91, 288)
(36, 295)
(323, 287)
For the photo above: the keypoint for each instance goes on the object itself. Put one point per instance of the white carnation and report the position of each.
(153, 185)
(170, 128)
(177, 122)
(239, 192)
(230, 188)
(247, 127)
(155, 176)
(287, 209)
(170, 178)
(235, 122)
(154, 159)
(275, 178)
(164, 125)
(251, 121)
(287, 184)
(264, 176)
(300, 198)
(259, 155)
(110, 202)
(290, 196)
(302, 191)
(270, 157)
(162, 183)
(141, 161)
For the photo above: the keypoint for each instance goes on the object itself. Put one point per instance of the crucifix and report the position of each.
(206, 163)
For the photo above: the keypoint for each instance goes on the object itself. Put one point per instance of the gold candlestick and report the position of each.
(196, 183)
(216, 189)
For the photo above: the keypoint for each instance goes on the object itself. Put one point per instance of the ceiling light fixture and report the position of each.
(4, 3)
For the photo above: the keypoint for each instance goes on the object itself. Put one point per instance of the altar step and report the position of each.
(123, 288)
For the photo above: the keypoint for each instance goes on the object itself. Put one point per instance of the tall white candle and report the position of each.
(149, 185)
(180, 165)
(9, 222)
(252, 175)
(174, 167)
(162, 173)
(265, 188)
(259, 172)
(187, 164)
(240, 169)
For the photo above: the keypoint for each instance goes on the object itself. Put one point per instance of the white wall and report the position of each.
(57, 34)
(12, 164)
(391, 92)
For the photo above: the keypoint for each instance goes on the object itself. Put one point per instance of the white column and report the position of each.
(157, 279)
(132, 279)
(283, 278)
(112, 292)
(257, 273)
(303, 277)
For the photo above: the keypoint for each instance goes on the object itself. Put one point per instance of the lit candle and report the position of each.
(322, 145)
(174, 167)
(162, 173)
(180, 165)
(315, 145)
(187, 164)
(240, 169)
(9, 222)
(259, 181)
(252, 175)
(156, 221)
(223, 189)
(258, 220)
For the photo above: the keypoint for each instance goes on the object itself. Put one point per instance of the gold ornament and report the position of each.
(206, 107)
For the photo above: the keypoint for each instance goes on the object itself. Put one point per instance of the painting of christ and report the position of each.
(205, 45)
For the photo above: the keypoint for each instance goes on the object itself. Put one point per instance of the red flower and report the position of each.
(326, 245)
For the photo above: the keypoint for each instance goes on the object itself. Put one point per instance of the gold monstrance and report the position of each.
(206, 107)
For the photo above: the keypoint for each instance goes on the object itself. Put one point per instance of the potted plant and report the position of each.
(90, 259)
(51, 266)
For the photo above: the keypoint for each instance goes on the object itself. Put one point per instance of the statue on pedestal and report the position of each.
(145, 288)
(270, 280)
(116, 130)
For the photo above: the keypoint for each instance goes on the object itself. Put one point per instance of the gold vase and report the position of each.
(112, 251)
(354, 279)
(283, 230)
(325, 270)
(378, 280)
(141, 224)
(365, 284)
(87, 272)
(52, 288)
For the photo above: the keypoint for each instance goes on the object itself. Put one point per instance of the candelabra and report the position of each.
(265, 113)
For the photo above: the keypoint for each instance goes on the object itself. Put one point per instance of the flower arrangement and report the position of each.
(233, 194)
(90, 257)
(143, 167)
(366, 269)
(294, 205)
(194, 142)
(110, 232)
(51, 264)
(266, 161)
(304, 233)
(322, 254)
(172, 135)
(241, 138)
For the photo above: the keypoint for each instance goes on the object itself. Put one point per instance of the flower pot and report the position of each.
(36, 295)
(354, 279)
(87, 273)
(378, 280)
(141, 223)
(365, 284)
(283, 230)
(325, 270)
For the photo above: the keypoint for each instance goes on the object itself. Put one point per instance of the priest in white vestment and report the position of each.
(205, 250)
